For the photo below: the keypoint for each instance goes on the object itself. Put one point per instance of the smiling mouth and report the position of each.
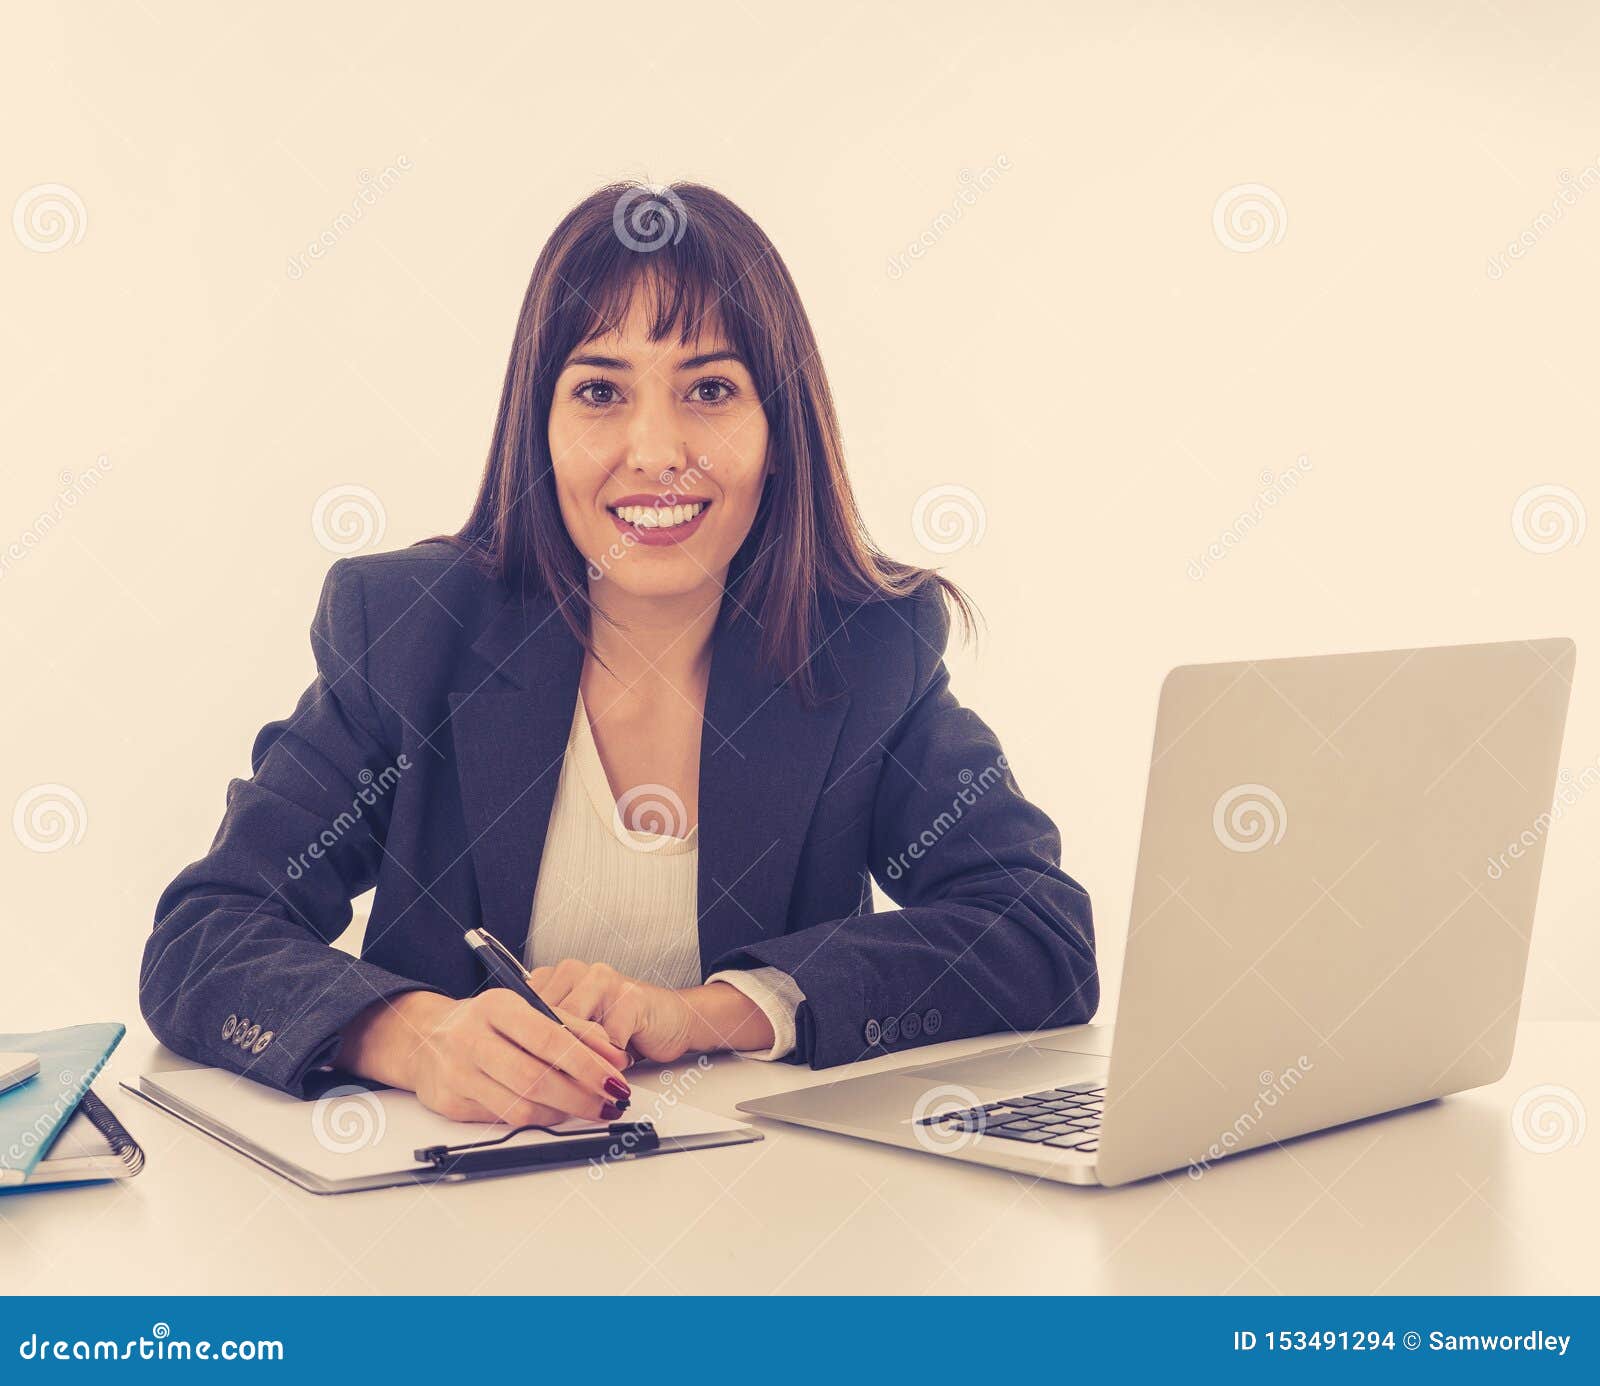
(657, 521)
(659, 517)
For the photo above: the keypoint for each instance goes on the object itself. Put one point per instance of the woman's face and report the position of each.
(660, 454)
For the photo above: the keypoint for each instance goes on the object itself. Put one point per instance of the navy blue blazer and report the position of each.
(423, 760)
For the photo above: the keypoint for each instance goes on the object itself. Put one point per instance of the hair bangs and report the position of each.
(681, 288)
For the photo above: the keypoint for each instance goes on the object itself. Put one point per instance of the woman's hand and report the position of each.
(491, 1057)
(654, 1022)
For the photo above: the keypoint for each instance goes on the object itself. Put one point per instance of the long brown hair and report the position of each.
(705, 263)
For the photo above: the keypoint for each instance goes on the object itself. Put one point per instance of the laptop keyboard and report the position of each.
(1064, 1118)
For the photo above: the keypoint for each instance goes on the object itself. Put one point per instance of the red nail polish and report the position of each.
(610, 1112)
(618, 1089)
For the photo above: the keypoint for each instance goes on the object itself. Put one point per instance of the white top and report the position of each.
(607, 893)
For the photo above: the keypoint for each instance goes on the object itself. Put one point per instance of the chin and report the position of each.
(673, 577)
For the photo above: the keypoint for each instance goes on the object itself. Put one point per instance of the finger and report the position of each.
(554, 983)
(543, 981)
(588, 1031)
(621, 1019)
(605, 995)
(589, 997)
(502, 1105)
(569, 972)
(534, 1081)
(544, 1039)
(592, 1033)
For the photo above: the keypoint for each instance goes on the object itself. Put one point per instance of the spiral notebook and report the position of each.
(34, 1112)
(93, 1145)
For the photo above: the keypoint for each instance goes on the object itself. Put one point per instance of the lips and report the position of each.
(656, 520)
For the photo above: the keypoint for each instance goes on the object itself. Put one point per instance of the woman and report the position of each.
(654, 718)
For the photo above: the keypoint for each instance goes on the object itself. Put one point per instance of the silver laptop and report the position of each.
(1336, 883)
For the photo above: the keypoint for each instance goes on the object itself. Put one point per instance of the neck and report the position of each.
(655, 640)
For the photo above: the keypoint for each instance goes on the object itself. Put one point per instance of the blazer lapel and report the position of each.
(510, 730)
(763, 757)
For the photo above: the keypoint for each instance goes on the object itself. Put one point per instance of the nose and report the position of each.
(654, 442)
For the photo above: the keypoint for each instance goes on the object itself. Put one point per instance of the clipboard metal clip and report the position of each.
(619, 1141)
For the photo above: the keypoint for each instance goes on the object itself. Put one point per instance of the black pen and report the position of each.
(505, 971)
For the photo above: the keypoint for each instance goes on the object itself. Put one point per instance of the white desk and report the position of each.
(1439, 1199)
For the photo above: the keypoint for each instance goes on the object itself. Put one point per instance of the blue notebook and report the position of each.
(34, 1111)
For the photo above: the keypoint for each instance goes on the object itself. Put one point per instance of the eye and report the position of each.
(724, 390)
(603, 393)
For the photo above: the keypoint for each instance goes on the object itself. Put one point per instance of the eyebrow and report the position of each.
(689, 363)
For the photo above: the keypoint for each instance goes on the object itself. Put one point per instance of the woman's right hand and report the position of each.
(491, 1057)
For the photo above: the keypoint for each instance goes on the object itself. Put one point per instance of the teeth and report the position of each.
(657, 517)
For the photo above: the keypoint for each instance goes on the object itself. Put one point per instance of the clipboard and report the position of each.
(350, 1135)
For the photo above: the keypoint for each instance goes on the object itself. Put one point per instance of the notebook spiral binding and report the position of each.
(123, 1146)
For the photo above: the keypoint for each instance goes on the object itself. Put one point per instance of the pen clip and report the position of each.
(482, 938)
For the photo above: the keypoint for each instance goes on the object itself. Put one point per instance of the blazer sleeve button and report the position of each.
(250, 1037)
(239, 1030)
(873, 1032)
(262, 1043)
(911, 1026)
(891, 1030)
(229, 1026)
(931, 1021)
